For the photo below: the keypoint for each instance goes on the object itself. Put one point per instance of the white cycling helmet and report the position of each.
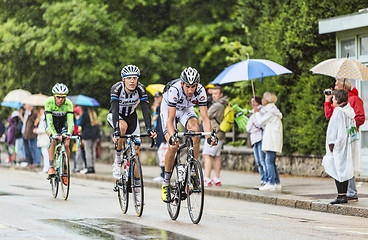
(60, 88)
(190, 76)
(130, 70)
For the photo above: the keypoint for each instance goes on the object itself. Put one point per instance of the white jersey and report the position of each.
(175, 97)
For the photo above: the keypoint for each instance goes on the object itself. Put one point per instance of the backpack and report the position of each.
(169, 84)
(228, 120)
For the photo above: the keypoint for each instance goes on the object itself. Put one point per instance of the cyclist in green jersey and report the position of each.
(59, 120)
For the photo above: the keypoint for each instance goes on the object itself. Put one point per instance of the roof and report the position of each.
(345, 22)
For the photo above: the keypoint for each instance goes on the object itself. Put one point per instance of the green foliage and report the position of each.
(86, 43)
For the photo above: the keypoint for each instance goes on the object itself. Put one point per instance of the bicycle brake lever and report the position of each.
(153, 142)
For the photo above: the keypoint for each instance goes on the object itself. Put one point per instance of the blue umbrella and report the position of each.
(248, 70)
(15, 105)
(82, 100)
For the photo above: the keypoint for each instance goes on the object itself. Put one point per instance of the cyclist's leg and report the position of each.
(192, 123)
(169, 157)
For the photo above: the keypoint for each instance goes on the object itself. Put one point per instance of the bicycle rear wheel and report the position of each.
(123, 194)
(137, 186)
(173, 207)
(65, 175)
(195, 191)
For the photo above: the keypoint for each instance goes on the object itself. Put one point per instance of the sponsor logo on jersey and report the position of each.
(202, 98)
(195, 101)
(175, 99)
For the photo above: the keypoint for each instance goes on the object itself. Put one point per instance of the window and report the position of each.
(348, 47)
(364, 46)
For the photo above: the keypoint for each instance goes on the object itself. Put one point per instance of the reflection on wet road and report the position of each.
(110, 228)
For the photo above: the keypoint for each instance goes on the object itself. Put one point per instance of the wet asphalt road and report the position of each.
(28, 211)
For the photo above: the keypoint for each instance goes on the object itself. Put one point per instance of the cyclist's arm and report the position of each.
(48, 115)
(146, 114)
(205, 119)
(170, 120)
(114, 100)
(70, 120)
(50, 123)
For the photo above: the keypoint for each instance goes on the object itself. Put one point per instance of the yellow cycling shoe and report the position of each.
(165, 196)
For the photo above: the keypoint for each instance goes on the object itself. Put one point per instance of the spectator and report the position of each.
(357, 104)
(42, 138)
(216, 115)
(33, 155)
(2, 136)
(90, 135)
(342, 145)
(256, 133)
(10, 141)
(271, 123)
(78, 165)
(209, 89)
(160, 140)
(19, 141)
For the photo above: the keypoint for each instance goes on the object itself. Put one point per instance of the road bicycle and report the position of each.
(187, 179)
(62, 170)
(132, 177)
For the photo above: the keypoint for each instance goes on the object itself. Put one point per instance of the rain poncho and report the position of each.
(344, 161)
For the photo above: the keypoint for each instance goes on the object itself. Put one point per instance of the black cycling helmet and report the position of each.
(130, 70)
(190, 76)
(60, 89)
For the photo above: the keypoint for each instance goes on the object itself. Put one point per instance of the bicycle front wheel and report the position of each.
(173, 207)
(54, 181)
(123, 194)
(137, 186)
(54, 186)
(65, 175)
(195, 191)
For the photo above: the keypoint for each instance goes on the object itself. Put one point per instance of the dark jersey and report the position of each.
(123, 104)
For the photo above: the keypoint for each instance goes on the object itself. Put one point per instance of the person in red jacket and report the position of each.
(357, 104)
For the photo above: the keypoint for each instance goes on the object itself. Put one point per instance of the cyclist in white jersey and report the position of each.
(177, 105)
(125, 97)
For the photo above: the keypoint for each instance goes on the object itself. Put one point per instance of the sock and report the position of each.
(51, 162)
(167, 177)
(117, 156)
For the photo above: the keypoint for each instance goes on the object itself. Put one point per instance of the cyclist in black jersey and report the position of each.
(122, 117)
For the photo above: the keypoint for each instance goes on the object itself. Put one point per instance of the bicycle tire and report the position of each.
(65, 175)
(123, 194)
(195, 191)
(173, 207)
(137, 186)
(54, 182)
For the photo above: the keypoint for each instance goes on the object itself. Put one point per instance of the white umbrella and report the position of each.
(248, 70)
(342, 68)
(36, 100)
(17, 95)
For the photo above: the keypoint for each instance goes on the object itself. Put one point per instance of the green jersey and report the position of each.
(57, 117)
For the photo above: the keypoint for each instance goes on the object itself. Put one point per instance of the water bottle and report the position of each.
(180, 173)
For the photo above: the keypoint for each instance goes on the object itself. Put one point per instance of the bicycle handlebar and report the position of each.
(192, 134)
(153, 141)
(71, 137)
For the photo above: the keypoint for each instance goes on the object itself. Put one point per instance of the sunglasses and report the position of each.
(131, 78)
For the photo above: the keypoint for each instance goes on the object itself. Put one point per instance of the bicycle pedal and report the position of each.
(115, 189)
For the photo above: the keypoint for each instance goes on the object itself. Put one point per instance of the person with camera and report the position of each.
(342, 145)
(357, 104)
